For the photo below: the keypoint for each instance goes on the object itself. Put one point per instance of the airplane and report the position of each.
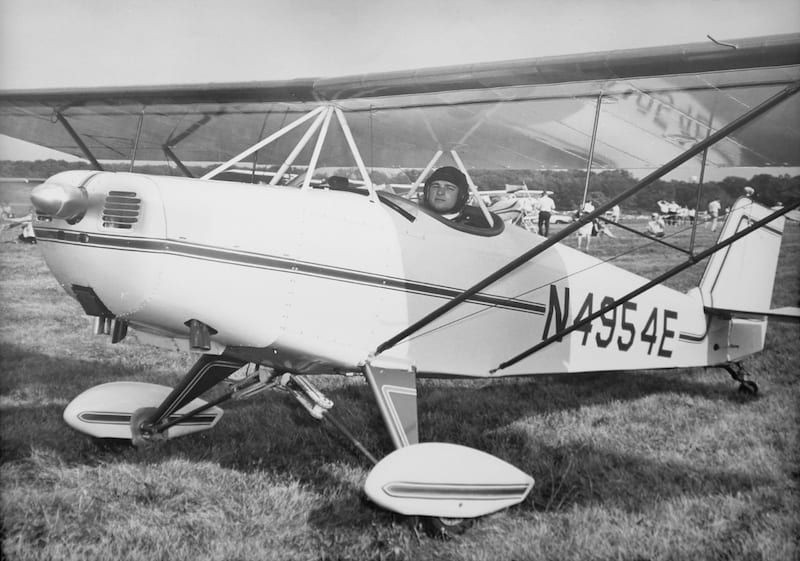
(515, 205)
(272, 284)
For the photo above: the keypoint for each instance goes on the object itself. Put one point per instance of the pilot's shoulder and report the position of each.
(473, 216)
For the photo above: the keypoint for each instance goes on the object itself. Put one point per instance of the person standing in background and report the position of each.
(546, 206)
(713, 211)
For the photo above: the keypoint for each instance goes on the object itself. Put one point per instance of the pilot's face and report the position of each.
(442, 196)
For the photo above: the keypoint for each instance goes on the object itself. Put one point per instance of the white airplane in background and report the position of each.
(516, 204)
(278, 283)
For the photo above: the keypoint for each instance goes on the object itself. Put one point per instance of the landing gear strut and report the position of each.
(149, 424)
(404, 482)
(319, 407)
(737, 372)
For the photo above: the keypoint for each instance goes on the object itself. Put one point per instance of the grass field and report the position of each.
(637, 466)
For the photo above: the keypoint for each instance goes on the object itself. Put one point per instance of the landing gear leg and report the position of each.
(737, 372)
(394, 385)
(149, 423)
(319, 406)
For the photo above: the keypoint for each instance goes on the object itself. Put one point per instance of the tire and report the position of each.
(445, 528)
(139, 417)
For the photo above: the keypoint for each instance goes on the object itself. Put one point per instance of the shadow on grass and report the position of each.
(266, 433)
(583, 475)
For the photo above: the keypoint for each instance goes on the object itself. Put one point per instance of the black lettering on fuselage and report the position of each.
(618, 327)
(555, 309)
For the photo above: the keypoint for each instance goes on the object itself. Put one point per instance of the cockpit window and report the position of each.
(346, 178)
(387, 186)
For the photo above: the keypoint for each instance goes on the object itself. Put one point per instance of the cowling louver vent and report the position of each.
(121, 209)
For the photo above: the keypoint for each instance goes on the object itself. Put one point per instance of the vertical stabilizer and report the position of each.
(740, 277)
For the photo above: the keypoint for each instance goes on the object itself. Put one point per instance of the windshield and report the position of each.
(391, 180)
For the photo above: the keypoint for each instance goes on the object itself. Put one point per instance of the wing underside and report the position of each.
(527, 114)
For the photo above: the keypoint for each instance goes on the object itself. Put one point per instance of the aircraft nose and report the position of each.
(60, 201)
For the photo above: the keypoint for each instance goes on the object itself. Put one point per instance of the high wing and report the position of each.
(522, 114)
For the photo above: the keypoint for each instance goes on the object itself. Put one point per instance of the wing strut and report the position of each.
(172, 156)
(136, 141)
(79, 141)
(575, 226)
(297, 149)
(173, 141)
(700, 189)
(424, 174)
(591, 149)
(262, 143)
(472, 187)
(647, 286)
(312, 165)
(348, 135)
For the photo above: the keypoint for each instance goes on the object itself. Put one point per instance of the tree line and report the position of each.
(567, 186)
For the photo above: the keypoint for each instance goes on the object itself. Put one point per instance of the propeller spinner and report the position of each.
(67, 202)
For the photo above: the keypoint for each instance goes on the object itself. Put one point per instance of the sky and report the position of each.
(86, 43)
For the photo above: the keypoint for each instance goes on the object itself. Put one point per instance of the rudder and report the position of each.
(740, 278)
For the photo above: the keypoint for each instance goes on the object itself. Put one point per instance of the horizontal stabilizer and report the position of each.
(786, 313)
(445, 480)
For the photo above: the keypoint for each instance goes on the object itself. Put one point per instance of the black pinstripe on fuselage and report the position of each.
(272, 262)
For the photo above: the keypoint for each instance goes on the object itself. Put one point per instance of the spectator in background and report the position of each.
(655, 227)
(27, 235)
(546, 206)
(672, 213)
(713, 212)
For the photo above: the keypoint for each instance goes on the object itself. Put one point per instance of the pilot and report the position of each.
(446, 192)
(338, 183)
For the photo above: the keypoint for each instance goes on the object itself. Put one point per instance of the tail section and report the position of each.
(737, 284)
(739, 279)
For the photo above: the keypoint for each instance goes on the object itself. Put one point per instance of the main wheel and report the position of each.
(445, 528)
(141, 417)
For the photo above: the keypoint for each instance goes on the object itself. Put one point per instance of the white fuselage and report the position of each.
(314, 280)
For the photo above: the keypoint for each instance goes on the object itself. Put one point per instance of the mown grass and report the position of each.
(646, 465)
